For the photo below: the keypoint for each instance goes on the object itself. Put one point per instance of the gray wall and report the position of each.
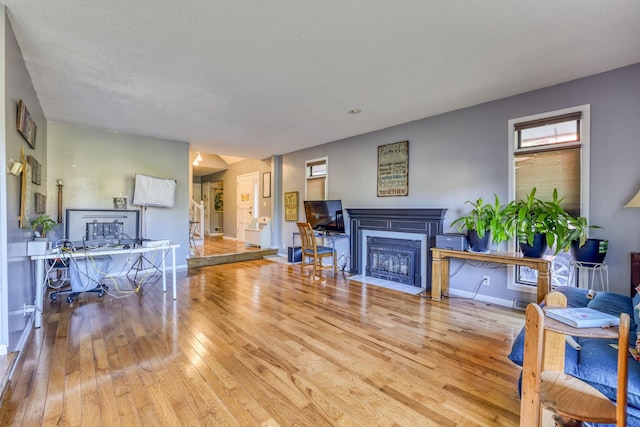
(463, 154)
(16, 286)
(229, 178)
(96, 165)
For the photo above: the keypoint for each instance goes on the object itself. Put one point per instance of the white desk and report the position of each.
(40, 268)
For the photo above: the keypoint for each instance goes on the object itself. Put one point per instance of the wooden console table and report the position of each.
(440, 268)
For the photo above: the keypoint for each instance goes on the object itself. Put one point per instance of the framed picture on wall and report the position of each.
(291, 206)
(25, 124)
(266, 185)
(218, 200)
(36, 170)
(393, 169)
(40, 203)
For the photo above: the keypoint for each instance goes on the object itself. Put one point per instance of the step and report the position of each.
(205, 261)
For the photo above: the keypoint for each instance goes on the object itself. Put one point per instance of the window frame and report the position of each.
(308, 176)
(585, 155)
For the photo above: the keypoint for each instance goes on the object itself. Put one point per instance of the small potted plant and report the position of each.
(484, 223)
(43, 225)
(582, 248)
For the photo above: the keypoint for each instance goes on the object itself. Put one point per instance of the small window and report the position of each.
(549, 131)
(547, 156)
(316, 179)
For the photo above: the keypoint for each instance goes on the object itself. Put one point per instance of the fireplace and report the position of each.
(413, 224)
(397, 260)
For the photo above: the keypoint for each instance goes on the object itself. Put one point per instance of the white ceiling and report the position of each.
(252, 79)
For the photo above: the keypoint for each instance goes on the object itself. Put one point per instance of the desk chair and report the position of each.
(310, 249)
(82, 277)
(551, 397)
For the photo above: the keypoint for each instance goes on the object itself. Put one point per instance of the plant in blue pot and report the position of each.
(485, 223)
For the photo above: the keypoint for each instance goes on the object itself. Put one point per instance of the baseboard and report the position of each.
(484, 298)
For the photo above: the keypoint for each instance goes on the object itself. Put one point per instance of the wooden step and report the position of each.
(205, 261)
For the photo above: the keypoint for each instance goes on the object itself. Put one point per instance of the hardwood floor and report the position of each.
(257, 344)
(218, 245)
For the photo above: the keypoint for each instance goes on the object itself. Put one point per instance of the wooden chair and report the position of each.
(551, 397)
(310, 249)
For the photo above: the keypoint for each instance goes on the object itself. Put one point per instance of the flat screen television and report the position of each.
(325, 215)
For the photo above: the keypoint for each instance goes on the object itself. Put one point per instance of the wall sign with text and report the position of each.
(393, 169)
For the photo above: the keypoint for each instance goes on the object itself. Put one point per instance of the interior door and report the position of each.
(247, 202)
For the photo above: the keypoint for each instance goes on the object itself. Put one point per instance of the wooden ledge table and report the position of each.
(440, 268)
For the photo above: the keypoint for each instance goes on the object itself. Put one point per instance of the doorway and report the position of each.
(247, 202)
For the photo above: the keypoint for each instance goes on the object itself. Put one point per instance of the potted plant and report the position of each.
(43, 225)
(540, 224)
(582, 248)
(484, 223)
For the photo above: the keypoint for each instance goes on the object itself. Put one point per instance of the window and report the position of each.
(550, 151)
(316, 179)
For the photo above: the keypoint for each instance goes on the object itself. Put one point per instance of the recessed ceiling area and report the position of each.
(271, 77)
(211, 163)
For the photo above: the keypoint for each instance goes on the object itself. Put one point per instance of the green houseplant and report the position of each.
(43, 224)
(540, 224)
(582, 248)
(487, 221)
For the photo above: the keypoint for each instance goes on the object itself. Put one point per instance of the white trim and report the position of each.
(585, 156)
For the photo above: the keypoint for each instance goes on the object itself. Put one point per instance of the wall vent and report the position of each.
(520, 304)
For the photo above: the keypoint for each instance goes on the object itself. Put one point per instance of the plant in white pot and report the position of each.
(485, 223)
(42, 225)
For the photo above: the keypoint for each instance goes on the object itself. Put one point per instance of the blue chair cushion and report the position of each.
(321, 250)
(596, 363)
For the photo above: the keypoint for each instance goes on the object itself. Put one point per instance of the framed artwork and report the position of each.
(120, 202)
(218, 200)
(25, 192)
(291, 206)
(41, 203)
(25, 124)
(393, 169)
(266, 185)
(36, 170)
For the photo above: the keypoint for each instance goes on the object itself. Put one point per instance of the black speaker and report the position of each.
(294, 254)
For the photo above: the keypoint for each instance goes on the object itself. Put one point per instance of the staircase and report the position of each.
(196, 226)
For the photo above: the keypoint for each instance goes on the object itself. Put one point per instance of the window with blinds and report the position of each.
(547, 157)
(550, 151)
(316, 179)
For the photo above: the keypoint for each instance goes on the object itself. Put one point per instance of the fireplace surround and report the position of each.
(400, 223)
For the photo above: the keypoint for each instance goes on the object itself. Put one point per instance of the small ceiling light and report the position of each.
(354, 111)
(198, 159)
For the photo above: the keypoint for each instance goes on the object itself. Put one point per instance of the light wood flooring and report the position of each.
(218, 245)
(258, 344)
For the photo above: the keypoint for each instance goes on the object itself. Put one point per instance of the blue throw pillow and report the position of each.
(614, 304)
(636, 317)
